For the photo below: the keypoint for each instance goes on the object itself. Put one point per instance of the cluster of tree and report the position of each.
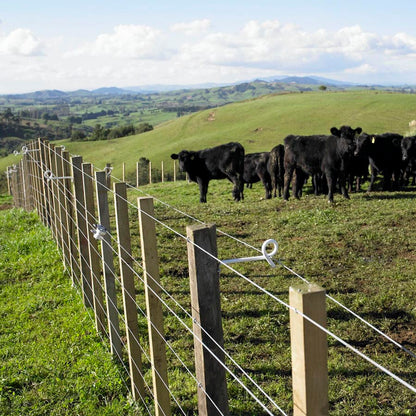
(94, 115)
(101, 133)
(14, 131)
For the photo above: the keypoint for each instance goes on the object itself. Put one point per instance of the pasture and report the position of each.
(360, 250)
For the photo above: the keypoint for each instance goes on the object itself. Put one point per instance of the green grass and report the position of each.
(360, 250)
(259, 124)
(52, 361)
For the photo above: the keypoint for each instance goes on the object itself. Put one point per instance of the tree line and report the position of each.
(101, 133)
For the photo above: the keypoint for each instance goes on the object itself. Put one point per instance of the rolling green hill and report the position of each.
(258, 124)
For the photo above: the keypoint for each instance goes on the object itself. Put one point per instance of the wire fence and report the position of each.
(132, 306)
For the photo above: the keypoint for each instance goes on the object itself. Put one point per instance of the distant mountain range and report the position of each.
(160, 88)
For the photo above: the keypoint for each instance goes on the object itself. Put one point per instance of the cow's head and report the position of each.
(348, 135)
(186, 159)
(363, 143)
(346, 132)
(408, 145)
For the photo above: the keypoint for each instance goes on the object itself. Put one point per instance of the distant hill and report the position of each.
(282, 80)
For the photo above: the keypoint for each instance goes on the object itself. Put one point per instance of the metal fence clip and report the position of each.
(265, 255)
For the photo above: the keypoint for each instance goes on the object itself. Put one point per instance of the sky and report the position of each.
(98, 43)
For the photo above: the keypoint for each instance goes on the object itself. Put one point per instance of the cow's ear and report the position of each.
(358, 130)
(174, 156)
(335, 131)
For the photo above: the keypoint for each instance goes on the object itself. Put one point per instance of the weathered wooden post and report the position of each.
(45, 186)
(93, 256)
(154, 306)
(150, 172)
(163, 172)
(81, 226)
(60, 203)
(129, 294)
(137, 174)
(174, 171)
(123, 172)
(309, 351)
(70, 219)
(207, 326)
(108, 265)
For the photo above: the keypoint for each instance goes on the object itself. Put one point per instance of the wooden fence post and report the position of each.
(44, 184)
(154, 306)
(150, 172)
(163, 172)
(206, 313)
(309, 351)
(129, 295)
(137, 174)
(108, 265)
(94, 259)
(174, 171)
(70, 220)
(81, 226)
(52, 190)
(60, 205)
(123, 172)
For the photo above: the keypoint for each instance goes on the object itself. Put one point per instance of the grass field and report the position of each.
(52, 361)
(360, 250)
(258, 124)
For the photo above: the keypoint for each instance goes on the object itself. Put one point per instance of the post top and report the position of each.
(306, 288)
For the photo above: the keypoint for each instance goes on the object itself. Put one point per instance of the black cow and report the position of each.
(221, 162)
(276, 168)
(319, 154)
(408, 146)
(384, 153)
(255, 169)
(358, 170)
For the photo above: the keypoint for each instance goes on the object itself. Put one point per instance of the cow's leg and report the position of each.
(238, 190)
(298, 183)
(372, 179)
(266, 181)
(288, 180)
(331, 185)
(203, 190)
(343, 186)
(273, 183)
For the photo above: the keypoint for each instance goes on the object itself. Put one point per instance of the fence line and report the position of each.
(53, 199)
(83, 215)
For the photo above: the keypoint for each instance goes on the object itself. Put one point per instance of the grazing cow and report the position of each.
(276, 168)
(384, 153)
(255, 169)
(221, 162)
(319, 154)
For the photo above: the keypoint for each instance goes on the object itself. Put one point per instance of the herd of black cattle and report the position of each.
(339, 161)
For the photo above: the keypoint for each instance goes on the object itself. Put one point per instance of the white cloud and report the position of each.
(363, 69)
(126, 41)
(195, 27)
(20, 42)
